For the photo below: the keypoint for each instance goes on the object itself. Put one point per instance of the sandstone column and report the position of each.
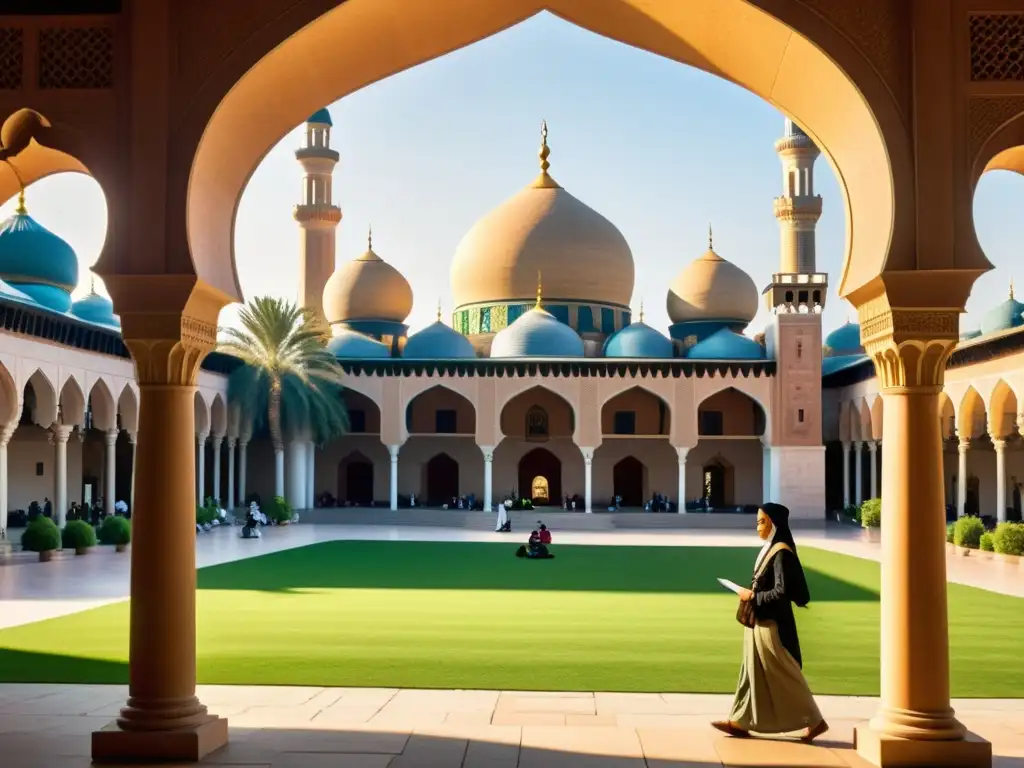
(243, 446)
(5, 437)
(296, 484)
(961, 477)
(109, 485)
(59, 436)
(858, 472)
(201, 468)
(131, 495)
(873, 458)
(1000, 447)
(915, 724)
(393, 450)
(681, 453)
(488, 451)
(846, 474)
(215, 442)
(588, 479)
(231, 473)
(310, 475)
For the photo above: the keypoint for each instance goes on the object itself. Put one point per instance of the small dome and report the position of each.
(438, 342)
(32, 254)
(367, 288)
(833, 364)
(355, 346)
(711, 288)
(537, 334)
(96, 309)
(13, 294)
(726, 345)
(844, 340)
(638, 340)
(1003, 316)
(321, 117)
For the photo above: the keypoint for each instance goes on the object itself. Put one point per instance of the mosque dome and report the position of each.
(1003, 316)
(353, 345)
(844, 340)
(537, 333)
(638, 340)
(37, 262)
(321, 117)
(11, 293)
(438, 342)
(367, 288)
(725, 344)
(96, 309)
(545, 229)
(711, 288)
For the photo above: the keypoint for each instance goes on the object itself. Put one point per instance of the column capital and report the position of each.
(999, 444)
(964, 444)
(845, 444)
(231, 442)
(201, 438)
(393, 450)
(59, 433)
(6, 433)
(873, 445)
(488, 452)
(681, 452)
(110, 436)
(588, 455)
(216, 440)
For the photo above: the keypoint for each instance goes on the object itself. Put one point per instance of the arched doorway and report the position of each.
(355, 480)
(537, 467)
(442, 481)
(628, 482)
(717, 484)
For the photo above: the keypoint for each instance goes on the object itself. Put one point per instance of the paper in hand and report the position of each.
(732, 586)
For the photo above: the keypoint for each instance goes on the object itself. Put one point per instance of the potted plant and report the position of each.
(116, 530)
(1008, 542)
(967, 534)
(43, 536)
(79, 536)
(871, 518)
(986, 546)
(279, 511)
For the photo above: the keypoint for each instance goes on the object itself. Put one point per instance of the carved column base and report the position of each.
(182, 745)
(888, 751)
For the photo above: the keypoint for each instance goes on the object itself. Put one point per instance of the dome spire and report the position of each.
(369, 237)
(711, 239)
(539, 304)
(20, 210)
(1011, 289)
(92, 283)
(641, 310)
(544, 180)
(439, 309)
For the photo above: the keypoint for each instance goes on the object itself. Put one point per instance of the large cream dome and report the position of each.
(711, 288)
(543, 229)
(367, 288)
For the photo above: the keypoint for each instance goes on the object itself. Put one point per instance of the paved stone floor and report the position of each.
(49, 725)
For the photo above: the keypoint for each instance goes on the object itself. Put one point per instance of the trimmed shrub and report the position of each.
(115, 530)
(967, 532)
(205, 514)
(41, 535)
(987, 542)
(950, 529)
(279, 510)
(1008, 538)
(78, 534)
(871, 513)
(852, 511)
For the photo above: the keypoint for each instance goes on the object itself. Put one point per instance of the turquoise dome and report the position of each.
(638, 340)
(438, 342)
(13, 294)
(1003, 316)
(96, 309)
(355, 346)
(30, 254)
(844, 340)
(726, 345)
(47, 296)
(537, 333)
(321, 116)
(841, 362)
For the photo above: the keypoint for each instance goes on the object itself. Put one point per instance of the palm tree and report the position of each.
(289, 381)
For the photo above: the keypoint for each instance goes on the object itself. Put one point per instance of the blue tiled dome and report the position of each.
(96, 309)
(321, 116)
(438, 342)
(37, 262)
(537, 334)
(726, 345)
(844, 340)
(355, 346)
(13, 294)
(1002, 317)
(638, 340)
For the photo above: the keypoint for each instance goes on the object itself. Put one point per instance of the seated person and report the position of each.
(534, 548)
(544, 534)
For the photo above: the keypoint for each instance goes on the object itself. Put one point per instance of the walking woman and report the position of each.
(772, 696)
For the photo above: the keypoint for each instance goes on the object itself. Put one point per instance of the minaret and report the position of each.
(798, 210)
(317, 215)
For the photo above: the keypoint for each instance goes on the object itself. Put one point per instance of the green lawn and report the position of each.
(437, 615)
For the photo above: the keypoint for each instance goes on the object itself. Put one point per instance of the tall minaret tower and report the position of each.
(798, 209)
(318, 217)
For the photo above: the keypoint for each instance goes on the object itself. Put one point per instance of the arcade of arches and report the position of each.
(910, 101)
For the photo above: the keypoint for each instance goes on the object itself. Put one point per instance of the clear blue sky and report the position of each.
(657, 147)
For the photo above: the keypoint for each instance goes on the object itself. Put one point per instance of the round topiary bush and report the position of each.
(871, 513)
(1008, 539)
(967, 532)
(79, 536)
(205, 514)
(987, 542)
(41, 535)
(116, 530)
(279, 511)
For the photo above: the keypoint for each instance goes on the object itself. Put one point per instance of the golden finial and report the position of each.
(92, 283)
(369, 237)
(711, 245)
(21, 210)
(544, 181)
(439, 309)
(1011, 289)
(641, 310)
(539, 304)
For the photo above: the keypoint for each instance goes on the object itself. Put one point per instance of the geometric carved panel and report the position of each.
(10, 58)
(997, 46)
(76, 57)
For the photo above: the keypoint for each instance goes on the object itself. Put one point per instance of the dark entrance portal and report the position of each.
(442, 480)
(628, 482)
(355, 480)
(714, 485)
(540, 463)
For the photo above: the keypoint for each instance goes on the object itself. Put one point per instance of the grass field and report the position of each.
(437, 615)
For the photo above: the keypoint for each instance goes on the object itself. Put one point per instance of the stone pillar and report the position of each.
(59, 435)
(873, 458)
(961, 476)
(5, 437)
(201, 467)
(215, 442)
(163, 718)
(231, 473)
(681, 491)
(915, 724)
(279, 473)
(131, 495)
(1000, 446)
(243, 446)
(110, 488)
(767, 492)
(310, 475)
(846, 474)
(393, 450)
(858, 472)
(588, 479)
(488, 451)
(296, 484)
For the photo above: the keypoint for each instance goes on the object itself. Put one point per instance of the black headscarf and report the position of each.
(779, 515)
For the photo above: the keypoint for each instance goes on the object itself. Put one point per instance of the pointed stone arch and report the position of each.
(741, 414)
(40, 399)
(652, 413)
(71, 403)
(877, 416)
(525, 414)
(423, 412)
(218, 416)
(971, 416)
(128, 409)
(102, 406)
(10, 398)
(1002, 410)
(202, 415)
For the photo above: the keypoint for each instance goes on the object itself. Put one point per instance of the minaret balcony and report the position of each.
(330, 214)
(787, 143)
(798, 208)
(326, 153)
